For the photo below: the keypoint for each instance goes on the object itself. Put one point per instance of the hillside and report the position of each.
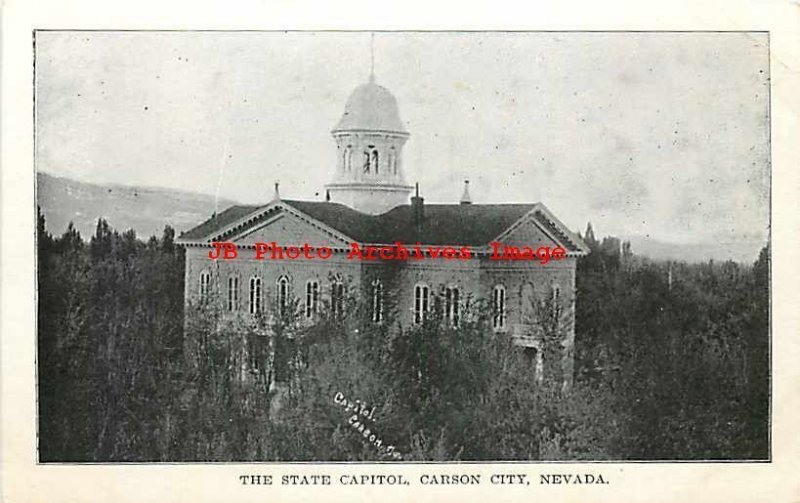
(744, 249)
(146, 210)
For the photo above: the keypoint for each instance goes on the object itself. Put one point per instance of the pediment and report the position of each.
(285, 226)
(529, 232)
(538, 228)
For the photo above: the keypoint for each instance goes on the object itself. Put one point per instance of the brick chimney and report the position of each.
(418, 207)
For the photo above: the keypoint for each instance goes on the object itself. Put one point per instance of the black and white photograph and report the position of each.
(399, 246)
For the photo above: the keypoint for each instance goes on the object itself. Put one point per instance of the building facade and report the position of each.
(369, 203)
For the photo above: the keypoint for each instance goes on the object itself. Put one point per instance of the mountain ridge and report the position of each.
(147, 210)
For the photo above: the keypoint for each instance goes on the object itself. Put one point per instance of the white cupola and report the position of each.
(369, 142)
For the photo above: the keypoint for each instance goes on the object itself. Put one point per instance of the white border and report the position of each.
(24, 481)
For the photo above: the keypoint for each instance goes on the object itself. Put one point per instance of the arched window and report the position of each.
(499, 307)
(422, 302)
(534, 357)
(393, 160)
(539, 367)
(527, 303)
(377, 301)
(556, 298)
(233, 293)
(366, 161)
(205, 285)
(282, 294)
(337, 297)
(347, 158)
(255, 295)
(451, 305)
(375, 161)
(312, 297)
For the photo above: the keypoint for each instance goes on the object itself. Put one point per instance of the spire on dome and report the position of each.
(372, 58)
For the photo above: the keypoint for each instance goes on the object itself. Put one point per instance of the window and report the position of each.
(337, 297)
(282, 294)
(534, 357)
(257, 350)
(255, 295)
(205, 285)
(347, 158)
(499, 307)
(371, 159)
(377, 301)
(527, 303)
(393, 160)
(312, 298)
(421, 302)
(539, 372)
(556, 293)
(233, 293)
(366, 161)
(451, 305)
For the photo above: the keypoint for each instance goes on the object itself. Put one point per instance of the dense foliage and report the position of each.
(672, 362)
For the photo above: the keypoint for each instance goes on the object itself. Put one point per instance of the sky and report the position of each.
(663, 135)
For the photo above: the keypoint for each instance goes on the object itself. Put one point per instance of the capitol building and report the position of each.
(369, 201)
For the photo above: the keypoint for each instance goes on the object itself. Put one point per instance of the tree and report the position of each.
(672, 362)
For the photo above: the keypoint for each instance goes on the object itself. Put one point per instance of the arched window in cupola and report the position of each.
(392, 160)
(347, 158)
(371, 159)
(375, 161)
(367, 161)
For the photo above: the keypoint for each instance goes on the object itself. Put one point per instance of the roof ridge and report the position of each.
(444, 224)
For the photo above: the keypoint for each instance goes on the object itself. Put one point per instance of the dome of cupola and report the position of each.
(371, 107)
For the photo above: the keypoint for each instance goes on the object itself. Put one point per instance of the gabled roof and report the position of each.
(449, 224)
(218, 222)
(443, 224)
